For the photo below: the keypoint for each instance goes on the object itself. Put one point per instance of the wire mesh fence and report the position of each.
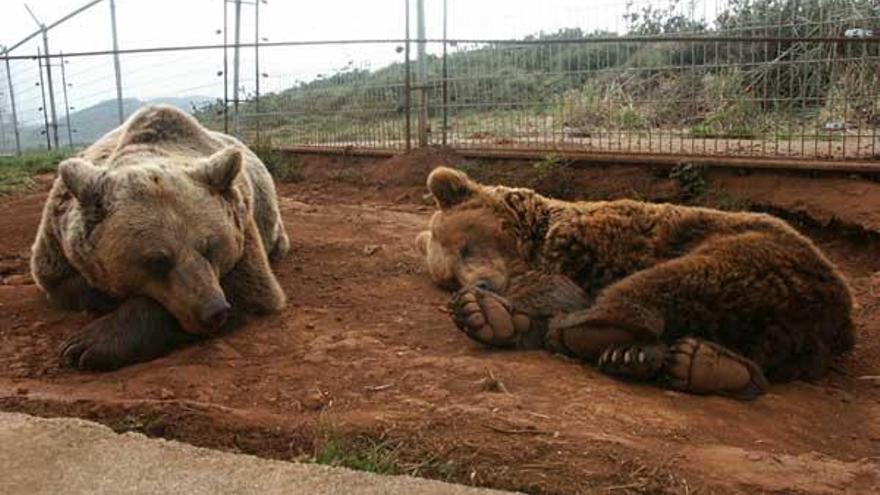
(771, 79)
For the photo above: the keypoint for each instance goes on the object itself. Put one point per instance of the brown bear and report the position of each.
(702, 300)
(166, 227)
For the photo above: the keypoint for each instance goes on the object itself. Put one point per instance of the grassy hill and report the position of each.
(736, 89)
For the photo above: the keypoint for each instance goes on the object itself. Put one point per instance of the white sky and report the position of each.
(149, 23)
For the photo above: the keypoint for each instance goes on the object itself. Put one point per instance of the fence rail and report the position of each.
(801, 89)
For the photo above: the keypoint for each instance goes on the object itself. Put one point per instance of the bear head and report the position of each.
(474, 239)
(159, 228)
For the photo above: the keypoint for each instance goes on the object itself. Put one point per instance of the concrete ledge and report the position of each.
(73, 456)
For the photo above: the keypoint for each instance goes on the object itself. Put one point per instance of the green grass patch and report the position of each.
(282, 166)
(17, 172)
(362, 455)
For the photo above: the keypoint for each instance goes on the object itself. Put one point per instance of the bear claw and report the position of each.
(89, 351)
(636, 361)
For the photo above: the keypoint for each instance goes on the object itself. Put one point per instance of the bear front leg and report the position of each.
(690, 364)
(140, 330)
(519, 317)
(63, 285)
(74, 293)
(251, 286)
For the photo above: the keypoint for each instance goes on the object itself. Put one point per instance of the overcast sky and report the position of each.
(148, 23)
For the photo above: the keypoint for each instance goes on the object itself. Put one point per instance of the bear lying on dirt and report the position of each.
(164, 225)
(702, 300)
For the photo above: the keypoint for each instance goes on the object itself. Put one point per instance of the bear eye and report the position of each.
(210, 248)
(465, 251)
(159, 264)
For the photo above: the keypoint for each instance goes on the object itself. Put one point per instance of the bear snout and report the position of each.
(214, 313)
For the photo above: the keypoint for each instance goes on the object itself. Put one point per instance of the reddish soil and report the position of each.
(365, 356)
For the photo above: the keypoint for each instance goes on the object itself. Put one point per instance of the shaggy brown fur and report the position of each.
(704, 300)
(167, 224)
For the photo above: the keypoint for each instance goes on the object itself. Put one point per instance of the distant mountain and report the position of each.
(93, 122)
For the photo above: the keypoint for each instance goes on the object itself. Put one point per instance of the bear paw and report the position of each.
(635, 361)
(94, 348)
(490, 319)
(700, 366)
(140, 330)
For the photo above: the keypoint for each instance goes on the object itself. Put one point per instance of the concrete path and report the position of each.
(75, 457)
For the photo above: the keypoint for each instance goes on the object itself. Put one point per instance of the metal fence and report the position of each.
(773, 80)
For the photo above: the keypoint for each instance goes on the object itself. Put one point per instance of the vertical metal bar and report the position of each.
(120, 111)
(257, 67)
(225, 68)
(420, 33)
(51, 87)
(406, 83)
(66, 104)
(423, 116)
(43, 93)
(2, 127)
(445, 87)
(236, 130)
(846, 99)
(14, 113)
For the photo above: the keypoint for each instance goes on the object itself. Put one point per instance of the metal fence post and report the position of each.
(445, 88)
(423, 115)
(66, 104)
(257, 67)
(235, 117)
(51, 87)
(120, 111)
(12, 104)
(225, 67)
(421, 76)
(43, 94)
(407, 103)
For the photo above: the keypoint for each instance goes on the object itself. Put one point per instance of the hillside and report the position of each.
(700, 89)
(92, 122)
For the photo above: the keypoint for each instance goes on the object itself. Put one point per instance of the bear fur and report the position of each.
(703, 300)
(167, 226)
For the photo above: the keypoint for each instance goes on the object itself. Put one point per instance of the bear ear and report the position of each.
(220, 170)
(81, 179)
(450, 187)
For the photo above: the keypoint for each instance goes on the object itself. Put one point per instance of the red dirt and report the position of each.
(366, 350)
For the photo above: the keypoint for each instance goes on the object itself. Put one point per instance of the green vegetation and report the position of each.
(283, 167)
(550, 165)
(17, 172)
(362, 455)
(691, 179)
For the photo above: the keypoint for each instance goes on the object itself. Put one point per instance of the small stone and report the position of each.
(371, 249)
(166, 394)
(314, 400)
(21, 390)
(310, 326)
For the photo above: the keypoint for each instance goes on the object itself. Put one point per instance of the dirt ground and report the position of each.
(366, 356)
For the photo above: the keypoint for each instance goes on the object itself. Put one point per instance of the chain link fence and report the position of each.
(768, 79)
